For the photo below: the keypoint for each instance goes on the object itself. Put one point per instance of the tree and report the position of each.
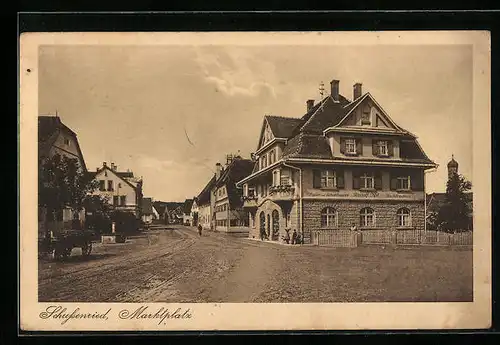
(453, 216)
(62, 183)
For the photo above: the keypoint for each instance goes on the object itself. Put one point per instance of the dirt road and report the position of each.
(176, 265)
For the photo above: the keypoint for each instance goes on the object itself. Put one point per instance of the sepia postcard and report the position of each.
(255, 181)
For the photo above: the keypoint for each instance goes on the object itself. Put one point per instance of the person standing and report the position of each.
(294, 236)
(287, 236)
(199, 229)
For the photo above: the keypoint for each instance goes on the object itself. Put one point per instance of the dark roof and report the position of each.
(235, 171)
(436, 200)
(122, 175)
(187, 205)
(48, 127)
(147, 206)
(282, 127)
(409, 149)
(307, 146)
(125, 174)
(160, 206)
(452, 163)
(327, 113)
(204, 196)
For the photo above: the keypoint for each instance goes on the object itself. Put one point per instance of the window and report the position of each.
(101, 185)
(328, 217)
(272, 156)
(251, 191)
(110, 186)
(263, 161)
(367, 217)
(328, 179)
(350, 146)
(123, 200)
(275, 178)
(285, 180)
(367, 181)
(404, 217)
(115, 200)
(66, 141)
(404, 183)
(382, 147)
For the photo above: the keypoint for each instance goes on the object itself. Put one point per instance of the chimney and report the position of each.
(310, 104)
(218, 170)
(113, 166)
(357, 91)
(104, 164)
(334, 87)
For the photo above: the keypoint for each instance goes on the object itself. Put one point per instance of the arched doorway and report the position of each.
(276, 225)
(262, 225)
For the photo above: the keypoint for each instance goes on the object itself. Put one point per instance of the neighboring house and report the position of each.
(342, 163)
(436, 200)
(148, 212)
(122, 189)
(161, 210)
(54, 137)
(175, 212)
(186, 214)
(229, 213)
(194, 212)
(206, 202)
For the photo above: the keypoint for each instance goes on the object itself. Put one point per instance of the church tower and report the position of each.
(452, 167)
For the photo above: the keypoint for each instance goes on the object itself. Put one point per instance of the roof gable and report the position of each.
(367, 109)
(121, 175)
(325, 114)
(279, 127)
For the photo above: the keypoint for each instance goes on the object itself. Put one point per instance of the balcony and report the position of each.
(281, 192)
(249, 201)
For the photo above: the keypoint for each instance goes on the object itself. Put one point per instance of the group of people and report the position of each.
(296, 237)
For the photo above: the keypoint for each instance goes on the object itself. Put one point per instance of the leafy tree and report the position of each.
(453, 216)
(62, 183)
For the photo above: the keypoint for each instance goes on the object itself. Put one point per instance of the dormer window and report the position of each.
(350, 146)
(66, 141)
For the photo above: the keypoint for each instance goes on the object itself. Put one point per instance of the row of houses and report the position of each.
(122, 189)
(344, 162)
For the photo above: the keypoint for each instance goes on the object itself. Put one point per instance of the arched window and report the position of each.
(404, 217)
(367, 217)
(328, 217)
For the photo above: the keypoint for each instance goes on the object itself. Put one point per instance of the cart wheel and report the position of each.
(87, 249)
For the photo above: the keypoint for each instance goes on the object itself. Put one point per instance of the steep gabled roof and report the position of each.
(160, 207)
(236, 171)
(282, 127)
(204, 196)
(124, 176)
(48, 129)
(305, 145)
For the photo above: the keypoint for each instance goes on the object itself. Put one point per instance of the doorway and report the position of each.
(276, 225)
(262, 225)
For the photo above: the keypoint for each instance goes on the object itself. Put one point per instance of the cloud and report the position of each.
(234, 72)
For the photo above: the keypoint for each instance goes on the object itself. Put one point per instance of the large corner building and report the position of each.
(342, 163)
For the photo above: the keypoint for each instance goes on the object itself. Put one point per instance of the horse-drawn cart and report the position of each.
(62, 243)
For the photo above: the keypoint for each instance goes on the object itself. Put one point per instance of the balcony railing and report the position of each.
(281, 191)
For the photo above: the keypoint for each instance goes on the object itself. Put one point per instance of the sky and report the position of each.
(169, 113)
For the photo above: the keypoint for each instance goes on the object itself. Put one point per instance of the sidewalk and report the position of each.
(278, 242)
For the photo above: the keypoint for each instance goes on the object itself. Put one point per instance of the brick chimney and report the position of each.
(104, 164)
(310, 104)
(334, 89)
(113, 166)
(218, 170)
(357, 91)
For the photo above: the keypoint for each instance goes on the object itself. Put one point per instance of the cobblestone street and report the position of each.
(176, 265)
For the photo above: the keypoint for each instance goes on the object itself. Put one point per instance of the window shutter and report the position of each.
(417, 181)
(394, 182)
(390, 148)
(378, 180)
(355, 180)
(316, 178)
(342, 145)
(359, 147)
(340, 178)
(374, 148)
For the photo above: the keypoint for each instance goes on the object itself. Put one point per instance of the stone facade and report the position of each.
(348, 212)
